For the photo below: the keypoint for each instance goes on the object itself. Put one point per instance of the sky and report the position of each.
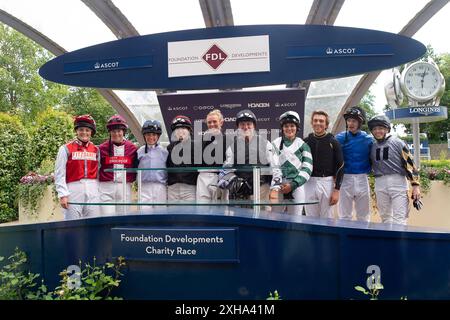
(72, 25)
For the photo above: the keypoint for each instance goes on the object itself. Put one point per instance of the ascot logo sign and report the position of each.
(214, 57)
(106, 65)
(340, 51)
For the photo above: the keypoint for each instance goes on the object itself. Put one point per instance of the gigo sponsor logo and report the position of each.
(340, 51)
(214, 57)
(106, 65)
(203, 107)
(258, 104)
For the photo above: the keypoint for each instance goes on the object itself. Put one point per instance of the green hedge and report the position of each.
(438, 164)
(53, 129)
(14, 163)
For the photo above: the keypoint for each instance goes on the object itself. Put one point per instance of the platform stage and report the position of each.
(243, 257)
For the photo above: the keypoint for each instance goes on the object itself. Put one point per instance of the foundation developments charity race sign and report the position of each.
(176, 244)
(266, 105)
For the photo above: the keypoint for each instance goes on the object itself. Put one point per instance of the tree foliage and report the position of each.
(32, 106)
(14, 163)
(53, 129)
(437, 131)
(89, 101)
(367, 103)
(22, 91)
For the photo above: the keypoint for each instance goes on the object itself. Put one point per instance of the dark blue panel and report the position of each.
(176, 244)
(27, 240)
(301, 257)
(297, 52)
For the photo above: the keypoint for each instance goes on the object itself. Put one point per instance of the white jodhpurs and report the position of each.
(355, 192)
(319, 189)
(207, 189)
(181, 191)
(392, 198)
(112, 192)
(152, 192)
(82, 191)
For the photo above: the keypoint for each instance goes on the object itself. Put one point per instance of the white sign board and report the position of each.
(218, 56)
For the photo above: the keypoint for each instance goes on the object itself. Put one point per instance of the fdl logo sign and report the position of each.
(214, 57)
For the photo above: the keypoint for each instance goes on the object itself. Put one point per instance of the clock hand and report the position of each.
(423, 76)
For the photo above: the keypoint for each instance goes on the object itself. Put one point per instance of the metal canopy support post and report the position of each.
(322, 12)
(57, 50)
(416, 138)
(414, 25)
(256, 190)
(217, 13)
(112, 17)
(124, 190)
(416, 142)
(139, 185)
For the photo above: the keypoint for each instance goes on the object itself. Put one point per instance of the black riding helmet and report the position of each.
(379, 121)
(151, 126)
(245, 115)
(356, 113)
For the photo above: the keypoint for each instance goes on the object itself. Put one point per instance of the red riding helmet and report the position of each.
(85, 121)
(116, 122)
(181, 122)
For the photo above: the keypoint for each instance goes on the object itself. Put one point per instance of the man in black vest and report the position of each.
(248, 150)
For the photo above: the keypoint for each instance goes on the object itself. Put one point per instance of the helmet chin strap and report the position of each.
(84, 143)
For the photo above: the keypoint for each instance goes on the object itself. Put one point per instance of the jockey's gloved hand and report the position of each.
(417, 203)
(225, 180)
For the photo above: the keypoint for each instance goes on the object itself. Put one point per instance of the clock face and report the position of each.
(422, 81)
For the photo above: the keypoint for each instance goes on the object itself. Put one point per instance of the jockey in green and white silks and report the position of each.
(291, 163)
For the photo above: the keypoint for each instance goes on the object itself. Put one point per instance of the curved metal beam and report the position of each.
(112, 17)
(322, 12)
(217, 13)
(57, 50)
(414, 25)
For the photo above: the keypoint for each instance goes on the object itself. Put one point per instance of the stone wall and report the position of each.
(435, 150)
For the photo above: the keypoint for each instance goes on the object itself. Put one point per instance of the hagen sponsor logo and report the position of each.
(106, 65)
(258, 104)
(425, 110)
(340, 51)
(214, 57)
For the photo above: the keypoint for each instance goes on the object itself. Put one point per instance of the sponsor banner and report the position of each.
(118, 160)
(176, 244)
(218, 56)
(266, 105)
(82, 155)
(345, 50)
(420, 114)
(108, 64)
